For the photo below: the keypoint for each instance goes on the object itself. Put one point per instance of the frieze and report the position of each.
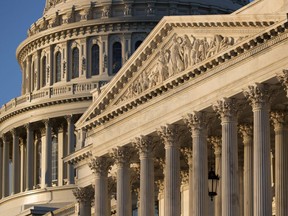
(183, 53)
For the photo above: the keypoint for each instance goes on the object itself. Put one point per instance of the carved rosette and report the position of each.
(283, 79)
(278, 119)
(258, 95)
(196, 122)
(85, 194)
(216, 143)
(169, 134)
(100, 165)
(122, 155)
(246, 131)
(145, 146)
(226, 109)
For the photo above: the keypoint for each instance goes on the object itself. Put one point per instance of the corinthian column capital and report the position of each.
(85, 194)
(278, 119)
(100, 165)
(196, 121)
(258, 95)
(216, 143)
(226, 108)
(169, 134)
(121, 155)
(283, 79)
(246, 131)
(144, 144)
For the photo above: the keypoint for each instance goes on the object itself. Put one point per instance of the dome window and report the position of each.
(75, 63)
(117, 57)
(95, 60)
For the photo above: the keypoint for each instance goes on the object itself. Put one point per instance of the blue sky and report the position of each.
(15, 18)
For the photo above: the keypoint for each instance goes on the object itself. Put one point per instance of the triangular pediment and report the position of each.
(177, 49)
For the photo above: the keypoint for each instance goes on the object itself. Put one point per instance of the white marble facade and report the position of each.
(199, 92)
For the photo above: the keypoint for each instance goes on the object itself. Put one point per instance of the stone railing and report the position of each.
(50, 92)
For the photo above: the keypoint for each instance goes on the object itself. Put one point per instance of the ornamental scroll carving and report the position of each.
(182, 53)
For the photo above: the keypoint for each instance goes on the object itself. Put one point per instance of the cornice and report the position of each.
(97, 115)
(79, 155)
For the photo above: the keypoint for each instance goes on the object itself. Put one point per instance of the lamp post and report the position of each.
(213, 180)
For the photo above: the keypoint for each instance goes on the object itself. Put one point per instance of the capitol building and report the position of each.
(145, 107)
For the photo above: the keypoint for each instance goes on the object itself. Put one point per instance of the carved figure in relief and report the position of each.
(176, 55)
(183, 53)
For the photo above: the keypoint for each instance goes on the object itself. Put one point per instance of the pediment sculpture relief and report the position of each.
(184, 52)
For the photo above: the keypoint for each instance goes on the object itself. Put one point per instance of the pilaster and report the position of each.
(71, 148)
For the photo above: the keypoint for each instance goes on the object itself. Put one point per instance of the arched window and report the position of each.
(95, 60)
(137, 44)
(44, 71)
(117, 57)
(75, 63)
(58, 67)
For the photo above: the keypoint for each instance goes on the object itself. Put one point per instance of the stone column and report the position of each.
(15, 163)
(84, 197)
(169, 135)
(122, 157)
(258, 96)
(1, 167)
(30, 157)
(100, 167)
(189, 158)
(217, 145)
(22, 167)
(281, 163)
(46, 169)
(197, 125)
(71, 148)
(247, 134)
(145, 147)
(230, 187)
(5, 175)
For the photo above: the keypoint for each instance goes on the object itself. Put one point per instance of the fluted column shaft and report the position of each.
(197, 125)
(15, 163)
(144, 145)
(100, 167)
(122, 157)
(5, 176)
(230, 187)
(217, 145)
(71, 148)
(22, 167)
(172, 194)
(258, 96)
(247, 134)
(281, 163)
(30, 157)
(61, 141)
